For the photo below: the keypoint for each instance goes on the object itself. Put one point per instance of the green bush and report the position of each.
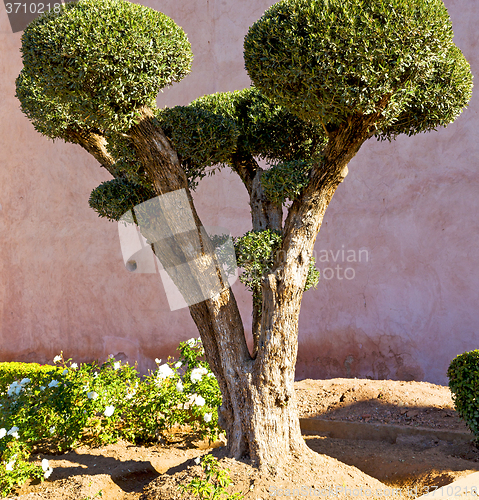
(119, 56)
(463, 373)
(55, 408)
(11, 371)
(327, 60)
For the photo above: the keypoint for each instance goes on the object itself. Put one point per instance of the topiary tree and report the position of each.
(327, 75)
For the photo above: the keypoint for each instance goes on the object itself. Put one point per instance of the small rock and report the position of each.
(412, 413)
(366, 415)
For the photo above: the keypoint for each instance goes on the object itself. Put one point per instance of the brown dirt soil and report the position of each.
(412, 464)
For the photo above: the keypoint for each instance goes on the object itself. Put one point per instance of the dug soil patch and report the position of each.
(402, 469)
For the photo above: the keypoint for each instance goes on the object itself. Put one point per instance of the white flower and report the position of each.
(92, 395)
(25, 381)
(207, 417)
(57, 358)
(130, 394)
(211, 374)
(95, 375)
(52, 430)
(157, 361)
(197, 374)
(47, 470)
(117, 365)
(3, 433)
(191, 342)
(42, 387)
(197, 460)
(164, 371)
(197, 400)
(13, 432)
(10, 465)
(179, 386)
(53, 383)
(73, 366)
(64, 372)
(14, 387)
(178, 364)
(109, 411)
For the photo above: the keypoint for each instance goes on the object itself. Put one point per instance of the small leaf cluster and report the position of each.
(329, 60)
(112, 199)
(463, 374)
(99, 61)
(213, 485)
(256, 253)
(202, 139)
(285, 181)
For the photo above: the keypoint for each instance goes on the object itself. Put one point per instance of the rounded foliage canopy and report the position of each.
(99, 61)
(244, 123)
(329, 59)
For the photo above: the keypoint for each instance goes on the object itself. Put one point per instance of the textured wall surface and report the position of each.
(398, 251)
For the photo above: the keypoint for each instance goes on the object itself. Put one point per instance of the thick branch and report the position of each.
(95, 144)
(218, 318)
(246, 167)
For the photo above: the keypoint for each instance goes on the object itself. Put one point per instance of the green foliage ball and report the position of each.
(265, 129)
(256, 253)
(112, 199)
(100, 60)
(463, 374)
(286, 180)
(327, 60)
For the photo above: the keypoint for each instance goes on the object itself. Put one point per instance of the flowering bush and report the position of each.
(62, 406)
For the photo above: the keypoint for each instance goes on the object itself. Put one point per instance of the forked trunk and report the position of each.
(259, 411)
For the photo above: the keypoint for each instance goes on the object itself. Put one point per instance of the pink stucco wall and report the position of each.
(407, 213)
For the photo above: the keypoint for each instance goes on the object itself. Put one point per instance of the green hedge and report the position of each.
(463, 373)
(11, 371)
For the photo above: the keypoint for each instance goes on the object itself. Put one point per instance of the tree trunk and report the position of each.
(259, 411)
(271, 423)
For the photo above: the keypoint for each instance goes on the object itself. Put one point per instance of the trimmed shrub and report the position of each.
(98, 61)
(463, 374)
(327, 60)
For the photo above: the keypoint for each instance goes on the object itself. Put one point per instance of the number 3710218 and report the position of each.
(32, 8)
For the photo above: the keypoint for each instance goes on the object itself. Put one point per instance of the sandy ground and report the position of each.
(412, 465)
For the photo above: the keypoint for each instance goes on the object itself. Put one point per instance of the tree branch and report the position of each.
(95, 144)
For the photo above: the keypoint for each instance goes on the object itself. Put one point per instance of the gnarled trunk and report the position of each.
(259, 412)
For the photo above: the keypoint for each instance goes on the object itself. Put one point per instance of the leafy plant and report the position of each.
(463, 373)
(60, 407)
(256, 252)
(286, 180)
(213, 485)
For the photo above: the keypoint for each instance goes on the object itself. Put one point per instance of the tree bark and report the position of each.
(264, 215)
(218, 319)
(272, 423)
(259, 411)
